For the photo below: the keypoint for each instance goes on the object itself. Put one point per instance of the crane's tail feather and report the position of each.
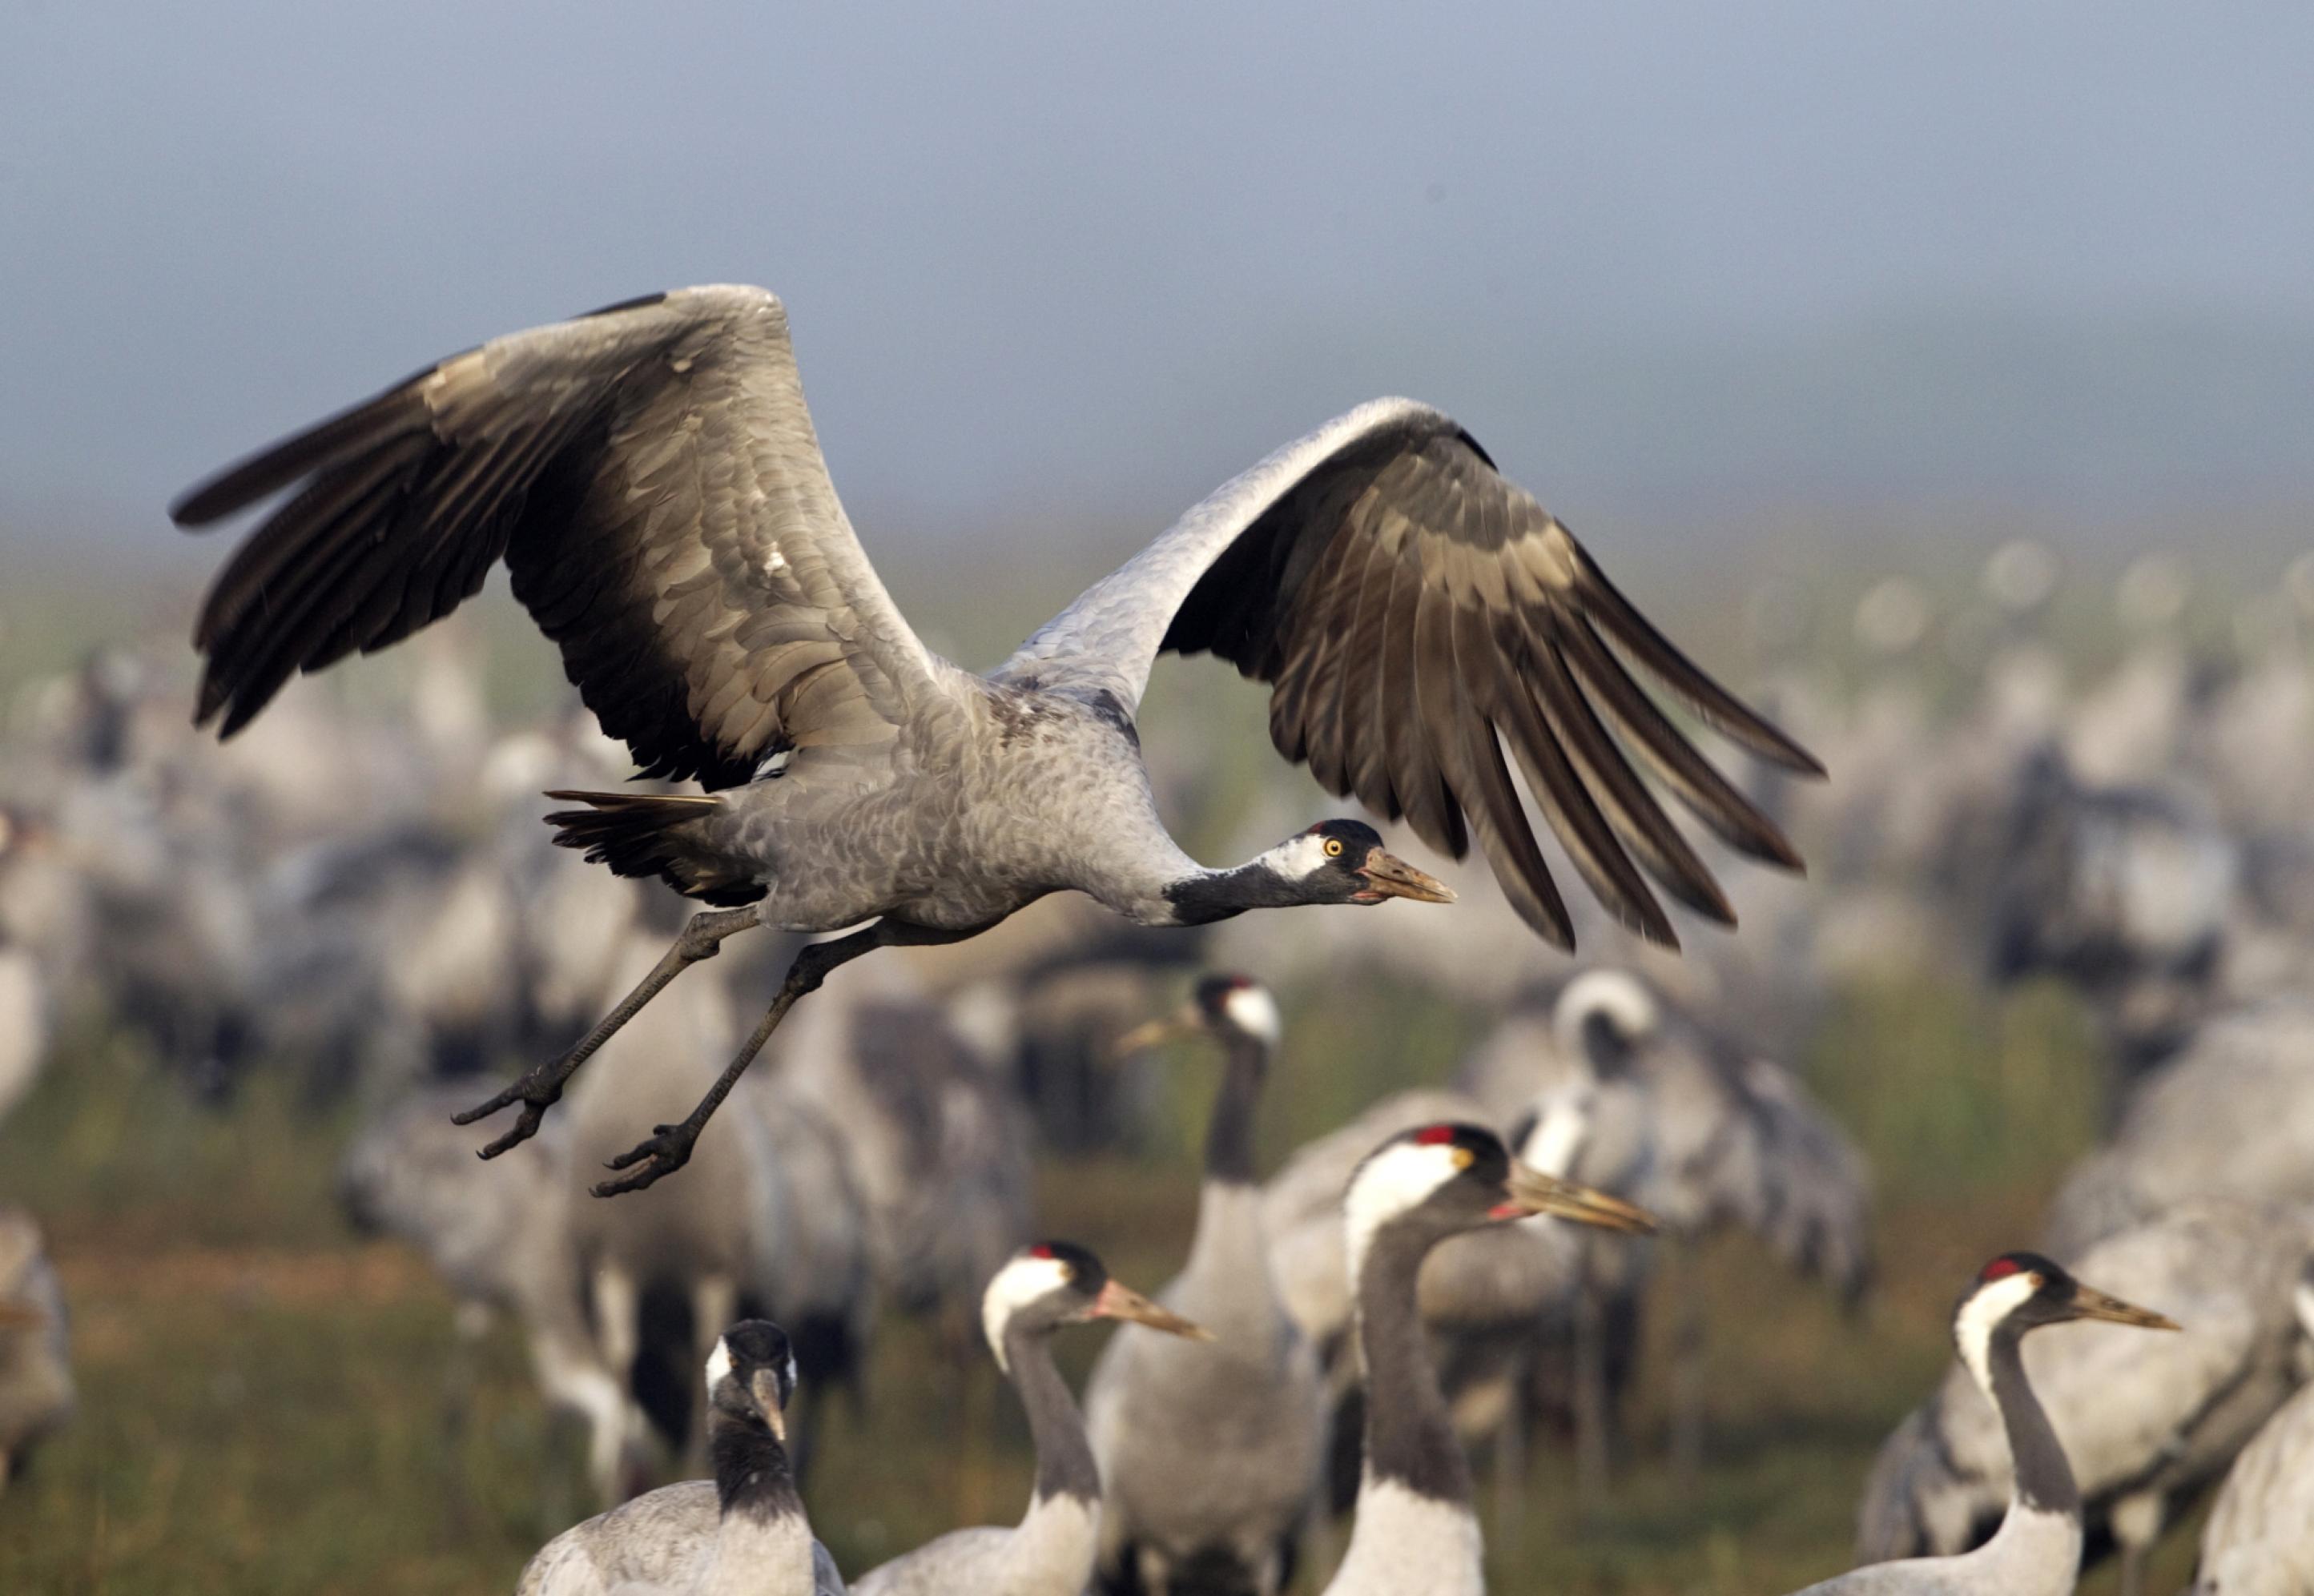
(641, 835)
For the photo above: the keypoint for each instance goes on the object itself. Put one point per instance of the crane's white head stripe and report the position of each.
(1616, 996)
(1562, 1127)
(1025, 1280)
(718, 1364)
(1254, 1012)
(1401, 1177)
(1298, 858)
(1983, 1309)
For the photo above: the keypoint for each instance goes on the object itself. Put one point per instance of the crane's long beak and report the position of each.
(765, 1389)
(1155, 1033)
(14, 1316)
(1532, 1191)
(1390, 877)
(1122, 1302)
(2089, 1302)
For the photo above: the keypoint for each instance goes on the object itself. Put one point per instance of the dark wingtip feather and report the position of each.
(639, 302)
(276, 466)
(1664, 660)
(1559, 933)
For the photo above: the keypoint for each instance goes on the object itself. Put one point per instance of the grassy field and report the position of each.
(270, 1403)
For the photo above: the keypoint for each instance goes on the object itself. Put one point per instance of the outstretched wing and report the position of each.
(650, 477)
(1414, 612)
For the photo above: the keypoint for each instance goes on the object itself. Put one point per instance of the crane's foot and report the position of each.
(668, 1150)
(537, 1089)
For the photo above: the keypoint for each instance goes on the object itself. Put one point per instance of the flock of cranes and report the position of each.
(1456, 1270)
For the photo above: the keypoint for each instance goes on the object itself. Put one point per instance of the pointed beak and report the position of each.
(766, 1389)
(14, 1316)
(1532, 1192)
(1390, 877)
(1156, 1033)
(2089, 1302)
(1122, 1302)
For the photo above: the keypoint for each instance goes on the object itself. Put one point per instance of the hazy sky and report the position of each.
(1049, 258)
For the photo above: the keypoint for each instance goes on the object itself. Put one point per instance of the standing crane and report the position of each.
(744, 1531)
(2149, 1422)
(1209, 1453)
(1050, 1552)
(650, 476)
(2037, 1550)
(1416, 1529)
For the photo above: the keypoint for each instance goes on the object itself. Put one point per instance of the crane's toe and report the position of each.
(537, 1090)
(668, 1150)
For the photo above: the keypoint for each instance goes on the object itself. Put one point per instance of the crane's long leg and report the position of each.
(669, 1146)
(1591, 1452)
(540, 1087)
(1688, 1381)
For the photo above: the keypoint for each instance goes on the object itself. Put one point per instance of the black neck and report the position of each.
(1064, 1462)
(751, 1468)
(2045, 1480)
(1229, 1134)
(1410, 1436)
(1217, 894)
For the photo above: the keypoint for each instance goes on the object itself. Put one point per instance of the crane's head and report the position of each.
(1434, 1181)
(1052, 1283)
(1343, 862)
(2023, 1291)
(751, 1376)
(1225, 1006)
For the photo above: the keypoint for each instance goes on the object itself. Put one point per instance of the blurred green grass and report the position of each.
(269, 1403)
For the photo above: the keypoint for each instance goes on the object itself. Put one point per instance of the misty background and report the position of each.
(1680, 267)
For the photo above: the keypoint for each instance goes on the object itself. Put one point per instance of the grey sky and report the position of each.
(1048, 259)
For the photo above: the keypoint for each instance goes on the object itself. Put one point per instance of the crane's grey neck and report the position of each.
(1065, 1461)
(2045, 1480)
(1410, 1440)
(1229, 1133)
(752, 1477)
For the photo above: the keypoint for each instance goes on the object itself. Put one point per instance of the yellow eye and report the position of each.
(1462, 1157)
(1333, 847)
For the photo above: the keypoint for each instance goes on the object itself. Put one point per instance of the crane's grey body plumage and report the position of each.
(650, 476)
(662, 1541)
(1210, 1453)
(2259, 1539)
(2230, 1115)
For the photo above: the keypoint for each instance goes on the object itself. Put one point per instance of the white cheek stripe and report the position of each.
(1254, 1012)
(1391, 1183)
(1617, 994)
(718, 1364)
(1986, 1306)
(1298, 857)
(1559, 1133)
(1014, 1286)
